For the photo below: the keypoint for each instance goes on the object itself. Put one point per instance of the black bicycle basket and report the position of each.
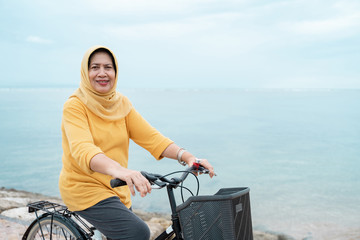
(225, 215)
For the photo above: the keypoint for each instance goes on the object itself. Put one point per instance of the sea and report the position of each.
(298, 150)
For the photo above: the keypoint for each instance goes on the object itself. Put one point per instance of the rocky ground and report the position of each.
(14, 216)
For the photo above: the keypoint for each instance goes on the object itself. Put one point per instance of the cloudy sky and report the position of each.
(184, 43)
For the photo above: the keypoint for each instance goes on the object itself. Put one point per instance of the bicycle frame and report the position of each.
(87, 231)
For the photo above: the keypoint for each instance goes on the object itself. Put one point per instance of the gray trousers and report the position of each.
(113, 219)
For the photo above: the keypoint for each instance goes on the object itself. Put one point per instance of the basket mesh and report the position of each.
(217, 219)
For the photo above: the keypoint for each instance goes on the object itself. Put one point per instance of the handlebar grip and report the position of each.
(117, 183)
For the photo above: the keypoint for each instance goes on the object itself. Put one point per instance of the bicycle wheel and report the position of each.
(53, 227)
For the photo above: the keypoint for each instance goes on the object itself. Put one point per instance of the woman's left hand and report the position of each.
(203, 162)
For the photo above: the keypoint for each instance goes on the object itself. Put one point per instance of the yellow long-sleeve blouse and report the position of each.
(84, 135)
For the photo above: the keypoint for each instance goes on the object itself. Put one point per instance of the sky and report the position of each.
(184, 43)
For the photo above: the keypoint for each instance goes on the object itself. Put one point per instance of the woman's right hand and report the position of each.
(134, 179)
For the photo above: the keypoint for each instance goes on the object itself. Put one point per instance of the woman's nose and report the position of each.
(102, 72)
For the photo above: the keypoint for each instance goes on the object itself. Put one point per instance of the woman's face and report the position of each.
(101, 72)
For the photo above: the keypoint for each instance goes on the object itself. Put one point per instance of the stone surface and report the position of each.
(10, 230)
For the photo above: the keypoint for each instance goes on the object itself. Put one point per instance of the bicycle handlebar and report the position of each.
(161, 180)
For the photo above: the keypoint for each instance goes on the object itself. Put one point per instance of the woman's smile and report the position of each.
(102, 82)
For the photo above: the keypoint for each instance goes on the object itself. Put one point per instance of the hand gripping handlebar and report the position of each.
(161, 180)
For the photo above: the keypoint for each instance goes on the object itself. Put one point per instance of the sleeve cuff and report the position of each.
(161, 148)
(90, 155)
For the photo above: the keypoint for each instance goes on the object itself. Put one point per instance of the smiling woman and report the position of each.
(97, 125)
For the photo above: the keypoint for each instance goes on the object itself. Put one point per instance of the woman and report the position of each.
(96, 127)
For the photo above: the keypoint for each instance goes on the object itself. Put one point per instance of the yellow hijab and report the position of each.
(112, 105)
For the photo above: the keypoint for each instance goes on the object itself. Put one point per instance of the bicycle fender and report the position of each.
(32, 224)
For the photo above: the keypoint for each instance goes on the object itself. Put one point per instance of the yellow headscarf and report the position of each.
(112, 105)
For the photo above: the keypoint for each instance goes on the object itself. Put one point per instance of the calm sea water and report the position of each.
(297, 150)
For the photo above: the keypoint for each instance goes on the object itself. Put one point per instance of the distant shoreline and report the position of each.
(8, 88)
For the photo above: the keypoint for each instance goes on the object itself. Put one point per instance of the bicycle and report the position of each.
(225, 215)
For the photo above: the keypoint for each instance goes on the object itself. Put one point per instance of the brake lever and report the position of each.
(200, 169)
